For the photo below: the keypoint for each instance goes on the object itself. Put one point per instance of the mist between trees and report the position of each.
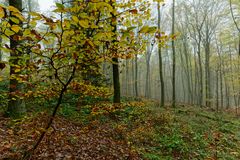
(207, 54)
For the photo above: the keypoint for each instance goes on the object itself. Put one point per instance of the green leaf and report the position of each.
(84, 23)
(147, 29)
(60, 6)
(14, 20)
(9, 32)
(144, 29)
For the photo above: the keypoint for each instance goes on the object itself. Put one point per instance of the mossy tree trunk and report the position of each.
(16, 105)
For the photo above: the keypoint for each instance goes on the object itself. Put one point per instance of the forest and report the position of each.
(120, 79)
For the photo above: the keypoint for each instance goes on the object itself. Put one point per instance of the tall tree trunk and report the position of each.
(232, 79)
(115, 65)
(208, 95)
(207, 74)
(221, 85)
(16, 105)
(173, 58)
(162, 100)
(200, 73)
(133, 77)
(127, 77)
(147, 86)
(217, 84)
(136, 76)
(219, 49)
(188, 72)
(196, 79)
(148, 75)
(226, 86)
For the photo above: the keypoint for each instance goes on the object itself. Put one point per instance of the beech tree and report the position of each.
(16, 105)
(162, 100)
(173, 58)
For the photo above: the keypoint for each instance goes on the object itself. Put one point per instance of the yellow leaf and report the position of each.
(19, 16)
(15, 28)
(12, 9)
(17, 70)
(26, 32)
(75, 18)
(9, 32)
(2, 13)
(84, 23)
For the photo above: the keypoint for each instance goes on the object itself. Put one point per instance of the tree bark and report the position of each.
(133, 77)
(173, 58)
(136, 76)
(127, 77)
(16, 105)
(115, 65)
(162, 100)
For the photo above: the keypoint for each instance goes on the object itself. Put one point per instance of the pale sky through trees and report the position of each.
(45, 4)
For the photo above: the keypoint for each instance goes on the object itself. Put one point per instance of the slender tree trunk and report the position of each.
(221, 86)
(174, 58)
(162, 100)
(232, 79)
(133, 77)
(136, 76)
(184, 88)
(208, 95)
(147, 75)
(207, 76)
(217, 86)
(147, 86)
(200, 75)
(187, 72)
(227, 95)
(219, 49)
(196, 79)
(16, 105)
(127, 78)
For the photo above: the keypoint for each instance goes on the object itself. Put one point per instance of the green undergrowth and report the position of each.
(192, 133)
(185, 132)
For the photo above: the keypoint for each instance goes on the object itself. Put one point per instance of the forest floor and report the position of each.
(132, 130)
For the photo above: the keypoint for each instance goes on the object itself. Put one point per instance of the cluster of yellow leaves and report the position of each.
(10, 23)
(89, 90)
